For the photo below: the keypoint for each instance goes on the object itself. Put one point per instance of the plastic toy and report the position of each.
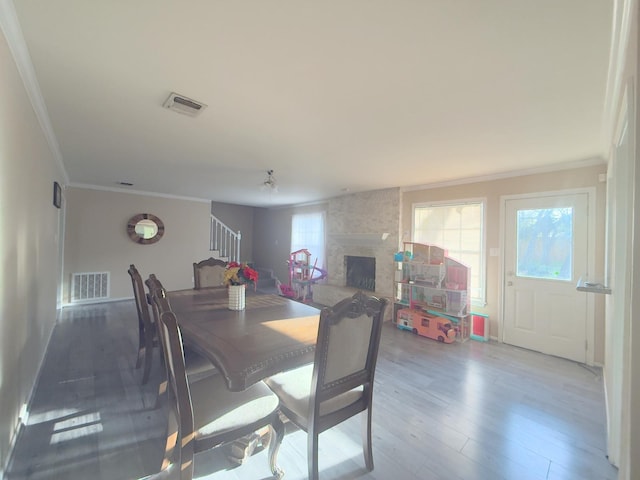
(302, 275)
(428, 280)
(479, 327)
(426, 325)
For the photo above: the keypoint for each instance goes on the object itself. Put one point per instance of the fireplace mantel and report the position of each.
(360, 239)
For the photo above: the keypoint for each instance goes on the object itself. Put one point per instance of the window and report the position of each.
(459, 228)
(307, 231)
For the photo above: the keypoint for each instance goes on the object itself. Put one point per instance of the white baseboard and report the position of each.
(95, 302)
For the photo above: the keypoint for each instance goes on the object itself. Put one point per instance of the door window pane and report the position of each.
(545, 243)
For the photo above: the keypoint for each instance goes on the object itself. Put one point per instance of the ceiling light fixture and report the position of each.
(270, 183)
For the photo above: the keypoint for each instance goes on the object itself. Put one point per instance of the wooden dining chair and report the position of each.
(209, 273)
(196, 365)
(147, 337)
(205, 414)
(339, 384)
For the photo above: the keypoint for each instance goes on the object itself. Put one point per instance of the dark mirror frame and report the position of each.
(133, 235)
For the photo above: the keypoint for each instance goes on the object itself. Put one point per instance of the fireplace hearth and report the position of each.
(361, 272)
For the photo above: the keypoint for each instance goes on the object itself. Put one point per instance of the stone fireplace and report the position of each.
(357, 267)
(363, 225)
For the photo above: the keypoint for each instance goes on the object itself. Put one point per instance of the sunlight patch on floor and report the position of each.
(49, 415)
(76, 427)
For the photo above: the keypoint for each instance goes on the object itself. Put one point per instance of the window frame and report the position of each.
(481, 300)
(322, 257)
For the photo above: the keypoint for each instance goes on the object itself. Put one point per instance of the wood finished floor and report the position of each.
(461, 411)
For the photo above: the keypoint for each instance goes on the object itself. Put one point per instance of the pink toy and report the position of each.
(426, 325)
(301, 276)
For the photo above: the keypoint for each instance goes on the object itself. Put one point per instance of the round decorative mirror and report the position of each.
(145, 228)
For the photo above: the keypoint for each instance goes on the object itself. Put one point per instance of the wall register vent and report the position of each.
(89, 286)
(185, 105)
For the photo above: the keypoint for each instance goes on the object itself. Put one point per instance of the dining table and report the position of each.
(271, 335)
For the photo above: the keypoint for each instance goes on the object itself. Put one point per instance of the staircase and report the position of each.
(224, 241)
(266, 280)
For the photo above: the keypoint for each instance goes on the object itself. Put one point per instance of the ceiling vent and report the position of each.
(185, 105)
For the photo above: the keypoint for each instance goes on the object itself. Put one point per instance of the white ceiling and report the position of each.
(335, 96)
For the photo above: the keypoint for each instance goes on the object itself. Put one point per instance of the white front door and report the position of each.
(545, 253)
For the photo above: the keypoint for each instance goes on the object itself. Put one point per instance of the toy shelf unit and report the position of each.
(432, 289)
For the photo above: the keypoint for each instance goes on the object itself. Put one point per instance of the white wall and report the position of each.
(622, 366)
(29, 244)
(96, 238)
(622, 372)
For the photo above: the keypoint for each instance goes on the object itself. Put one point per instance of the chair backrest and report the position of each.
(159, 302)
(155, 288)
(209, 273)
(347, 347)
(179, 448)
(144, 319)
(180, 407)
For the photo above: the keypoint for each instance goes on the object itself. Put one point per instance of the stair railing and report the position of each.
(224, 240)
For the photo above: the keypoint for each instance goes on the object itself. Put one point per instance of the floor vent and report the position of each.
(89, 286)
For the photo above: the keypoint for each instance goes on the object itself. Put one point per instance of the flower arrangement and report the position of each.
(239, 274)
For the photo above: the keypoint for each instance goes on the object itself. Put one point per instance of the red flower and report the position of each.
(239, 274)
(250, 274)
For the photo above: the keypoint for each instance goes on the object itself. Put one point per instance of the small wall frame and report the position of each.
(57, 195)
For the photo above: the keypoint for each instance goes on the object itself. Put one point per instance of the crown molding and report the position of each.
(13, 33)
(511, 174)
(138, 192)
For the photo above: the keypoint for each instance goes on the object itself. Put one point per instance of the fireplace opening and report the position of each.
(361, 272)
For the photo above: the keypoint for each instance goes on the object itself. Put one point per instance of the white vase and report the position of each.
(236, 297)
